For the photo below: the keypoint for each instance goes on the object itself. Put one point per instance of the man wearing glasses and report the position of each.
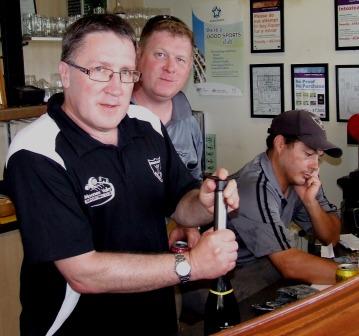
(92, 181)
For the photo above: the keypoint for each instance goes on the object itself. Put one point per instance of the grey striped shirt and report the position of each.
(261, 224)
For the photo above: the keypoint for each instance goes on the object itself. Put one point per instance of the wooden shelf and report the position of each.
(10, 225)
(7, 219)
(16, 113)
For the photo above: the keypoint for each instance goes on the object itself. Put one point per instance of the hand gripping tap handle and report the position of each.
(220, 208)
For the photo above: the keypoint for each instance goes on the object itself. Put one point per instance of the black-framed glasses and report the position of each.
(102, 74)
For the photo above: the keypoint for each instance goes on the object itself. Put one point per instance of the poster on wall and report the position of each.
(266, 84)
(346, 24)
(218, 57)
(347, 87)
(310, 88)
(267, 33)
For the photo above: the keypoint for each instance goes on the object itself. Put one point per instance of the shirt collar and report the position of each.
(181, 109)
(82, 141)
(269, 173)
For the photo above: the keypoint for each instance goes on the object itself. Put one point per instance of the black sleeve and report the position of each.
(51, 219)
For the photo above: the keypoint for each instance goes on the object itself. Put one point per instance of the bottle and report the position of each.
(179, 246)
(119, 10)
(221, 309)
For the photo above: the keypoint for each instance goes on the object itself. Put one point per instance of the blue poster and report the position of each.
(218, 58)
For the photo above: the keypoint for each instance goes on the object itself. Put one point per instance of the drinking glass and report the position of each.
(36, 25)
(27, 24)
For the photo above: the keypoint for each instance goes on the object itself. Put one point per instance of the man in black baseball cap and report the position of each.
(278, 187)
(307, 127)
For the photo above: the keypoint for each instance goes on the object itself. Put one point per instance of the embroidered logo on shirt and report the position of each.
(99, 191)
(155, 165)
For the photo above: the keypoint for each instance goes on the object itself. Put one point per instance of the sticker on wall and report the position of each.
(211, 157)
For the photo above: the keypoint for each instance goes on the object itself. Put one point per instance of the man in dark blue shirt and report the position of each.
(92, 181)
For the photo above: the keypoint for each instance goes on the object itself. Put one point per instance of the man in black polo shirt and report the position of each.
(92, 181)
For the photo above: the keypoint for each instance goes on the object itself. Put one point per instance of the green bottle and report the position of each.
(221, 309)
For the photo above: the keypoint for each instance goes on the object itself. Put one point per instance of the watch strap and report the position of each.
(179, 258)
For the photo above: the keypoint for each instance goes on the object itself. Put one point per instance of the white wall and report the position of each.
(309, 38)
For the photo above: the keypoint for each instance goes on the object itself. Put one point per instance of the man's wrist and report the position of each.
(182, 267)
(312, 204)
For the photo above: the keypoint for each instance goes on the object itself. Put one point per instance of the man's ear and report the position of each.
(64, 74)
(279, 143)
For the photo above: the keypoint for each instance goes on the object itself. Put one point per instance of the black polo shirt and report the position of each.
(73, 195)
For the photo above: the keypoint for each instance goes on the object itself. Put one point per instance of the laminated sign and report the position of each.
(218, 57)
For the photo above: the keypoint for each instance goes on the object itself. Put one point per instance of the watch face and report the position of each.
(183, 268)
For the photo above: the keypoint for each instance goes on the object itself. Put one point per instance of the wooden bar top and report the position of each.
(23, 112)
(333, 311)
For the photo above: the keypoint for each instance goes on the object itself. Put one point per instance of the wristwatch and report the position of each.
(182, 268)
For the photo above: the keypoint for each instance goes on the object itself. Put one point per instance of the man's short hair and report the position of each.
(76, 33)
(167, 23)
(287, 139)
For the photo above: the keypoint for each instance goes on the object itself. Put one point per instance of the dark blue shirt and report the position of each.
(74, 194)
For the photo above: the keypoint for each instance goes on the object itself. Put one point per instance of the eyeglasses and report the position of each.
(102, 74)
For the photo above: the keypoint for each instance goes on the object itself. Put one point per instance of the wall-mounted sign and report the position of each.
(211, 157)
(267, 92)
(310, 88)
(347, 80)
(218, 58)
(267, 22)
(346, 24)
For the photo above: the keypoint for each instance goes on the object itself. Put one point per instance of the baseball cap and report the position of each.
(307, 127)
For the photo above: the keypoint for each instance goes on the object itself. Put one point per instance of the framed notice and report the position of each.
(346, 24)
(347, 89)
(267, 90)
(267, 22)
(310, 88)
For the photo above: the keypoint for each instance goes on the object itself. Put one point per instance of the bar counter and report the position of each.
(333, 311)
(304, 315)
(11, 255)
